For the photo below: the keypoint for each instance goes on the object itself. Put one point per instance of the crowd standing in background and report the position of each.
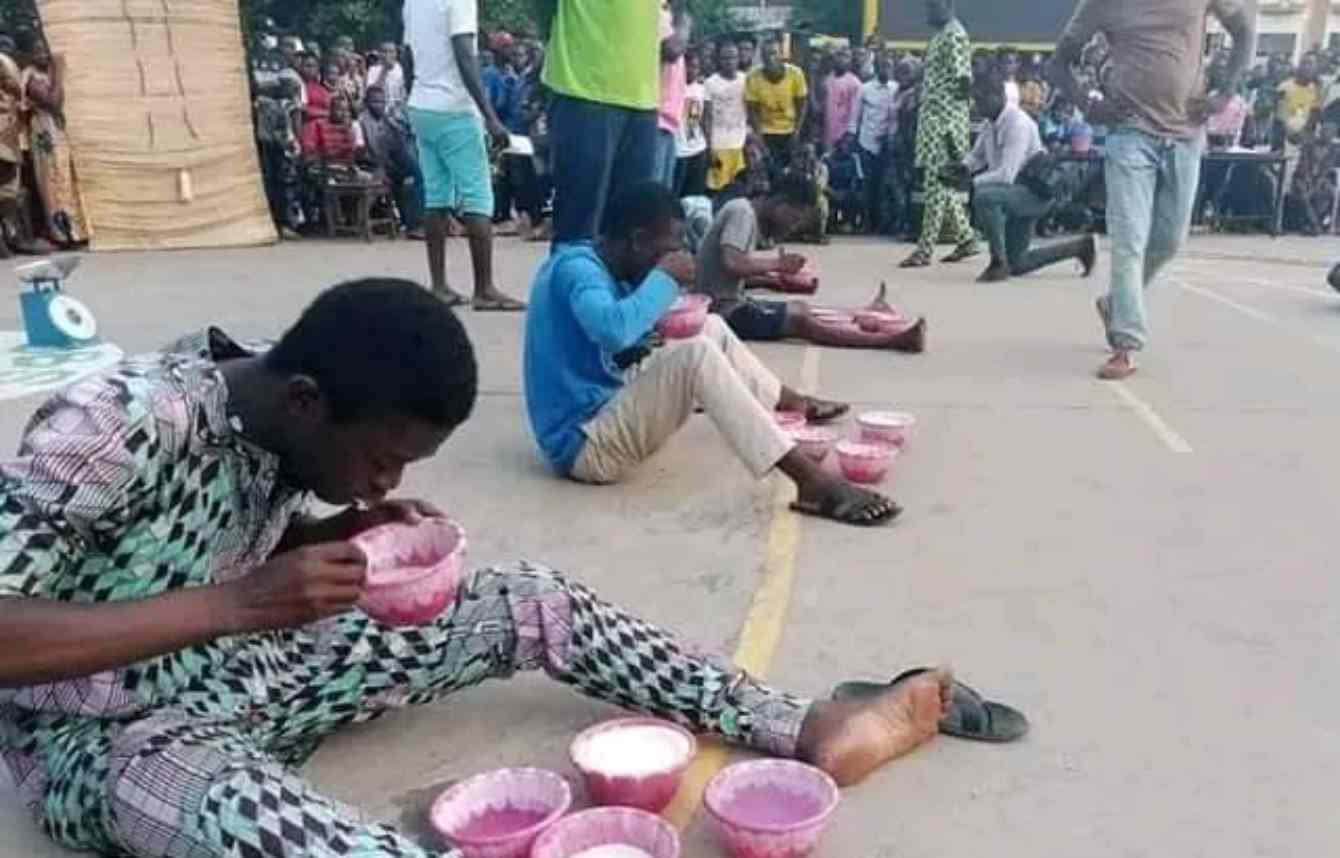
(41, 209)
(873, 128)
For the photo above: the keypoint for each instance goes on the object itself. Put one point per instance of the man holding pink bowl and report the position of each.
(177, 634)
(602, 398)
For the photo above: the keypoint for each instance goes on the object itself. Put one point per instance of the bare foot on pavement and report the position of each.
(851, 739)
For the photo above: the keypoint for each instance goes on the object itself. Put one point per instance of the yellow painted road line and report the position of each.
(763, 624)
(1169, 436)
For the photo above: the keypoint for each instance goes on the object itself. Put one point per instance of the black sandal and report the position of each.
(971, 716)
(855, 507)
(823, 411)
(916, 260)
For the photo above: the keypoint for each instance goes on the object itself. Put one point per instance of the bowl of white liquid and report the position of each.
(609, 832)
(633, 762)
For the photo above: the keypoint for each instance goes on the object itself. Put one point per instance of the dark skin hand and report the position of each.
(463, 48)
(316, 573)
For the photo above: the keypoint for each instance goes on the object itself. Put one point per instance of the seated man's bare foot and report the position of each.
(851, 739)
(815, 410)
(912, 340)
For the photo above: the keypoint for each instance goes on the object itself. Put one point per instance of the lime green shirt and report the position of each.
(606, 51)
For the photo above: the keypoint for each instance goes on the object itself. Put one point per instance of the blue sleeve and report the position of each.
(612, 322)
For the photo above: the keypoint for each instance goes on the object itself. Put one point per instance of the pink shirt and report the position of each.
(674, 82)
(839, 105)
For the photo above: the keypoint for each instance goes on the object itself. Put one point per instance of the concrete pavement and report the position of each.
(1164, 612)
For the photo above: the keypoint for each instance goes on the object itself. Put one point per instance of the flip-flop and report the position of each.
(971, 716)
(503, 304)
(450, 298)
(851, 508)
(821, 411)
(916, 260)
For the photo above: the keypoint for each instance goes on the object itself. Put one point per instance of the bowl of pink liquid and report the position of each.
(500, 814)
(789, 420)
(685, 318)
(771, 808)
(815, 442)
(609, 832)
(413, 570)
(633, 762)
(886, 427)
(865, 463)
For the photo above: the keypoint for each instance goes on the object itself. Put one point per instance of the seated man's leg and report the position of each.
(662, 395)
(770, 321)
(526, 617)
(185, 788)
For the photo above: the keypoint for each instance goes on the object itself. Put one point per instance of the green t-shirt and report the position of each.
(607, 51)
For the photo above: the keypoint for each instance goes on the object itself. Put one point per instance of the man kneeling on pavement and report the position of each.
(1004, 205)
(603, 396)
(178, 634)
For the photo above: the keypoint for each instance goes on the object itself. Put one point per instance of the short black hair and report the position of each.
(382, 347)
(645, 205)
(795, 189)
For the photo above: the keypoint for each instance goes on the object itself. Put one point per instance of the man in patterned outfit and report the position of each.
(176, 633)
(942, 135)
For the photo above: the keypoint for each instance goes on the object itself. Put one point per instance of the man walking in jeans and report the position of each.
(1156, 106)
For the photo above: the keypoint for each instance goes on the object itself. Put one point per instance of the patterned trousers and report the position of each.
(191, 781)
(943, 202)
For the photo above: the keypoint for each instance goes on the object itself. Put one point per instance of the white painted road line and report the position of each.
(1169, 436)
(1258, 315)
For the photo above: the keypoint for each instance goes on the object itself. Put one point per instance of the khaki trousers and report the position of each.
(715, 369)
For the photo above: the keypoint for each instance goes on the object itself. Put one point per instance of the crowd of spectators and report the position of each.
(736, 113)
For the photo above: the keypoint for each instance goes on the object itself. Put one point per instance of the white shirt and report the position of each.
(1005, 147)
(690, 139)
(1011, 93)
(393, 82)
(730, 121)
(429, 28)
(872, 119)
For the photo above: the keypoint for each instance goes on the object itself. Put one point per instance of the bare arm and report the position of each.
(1242, 28)
(1070, 48)
(740, 264)
(463, 48)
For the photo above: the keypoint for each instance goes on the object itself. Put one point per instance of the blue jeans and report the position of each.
(1151, 191)
(599, 151)
(667, 157)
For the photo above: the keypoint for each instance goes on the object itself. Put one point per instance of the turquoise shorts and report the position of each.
(455, 161)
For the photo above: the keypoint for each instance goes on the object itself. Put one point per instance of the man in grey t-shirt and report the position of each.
(1154, 99)
(726, 262)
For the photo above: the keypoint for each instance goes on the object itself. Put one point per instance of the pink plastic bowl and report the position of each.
(413, 570)
(886, 427)
(771, 808)
(686, 317)
(865, 463)
(815, 442)
(649, 784)
(499, 814)
(791, 420)
(606, 826)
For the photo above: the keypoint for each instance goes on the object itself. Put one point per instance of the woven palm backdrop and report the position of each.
(159, 116)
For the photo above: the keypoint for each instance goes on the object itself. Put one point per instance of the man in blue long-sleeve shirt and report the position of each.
(593, 308)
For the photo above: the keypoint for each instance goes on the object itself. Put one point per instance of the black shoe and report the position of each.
(996, 272)
(1088, 256)
(1334, 279)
